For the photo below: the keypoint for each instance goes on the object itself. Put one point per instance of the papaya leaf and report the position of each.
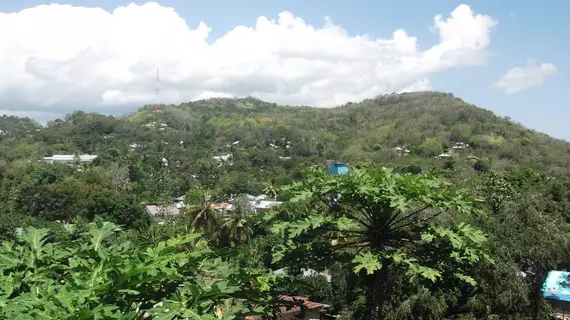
(367, 261)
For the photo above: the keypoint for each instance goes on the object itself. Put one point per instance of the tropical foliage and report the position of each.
(407, 234)
(95, 276)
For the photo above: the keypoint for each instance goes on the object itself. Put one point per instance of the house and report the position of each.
(460, 146)
(295, 307)
(556, 289)
(338, 167)
(71, 159)
(306, 273)
(261, 203)
(179, 202)
(402, 151)
(159, 213)
(222, 207)
(444, 155)
(225, 157)
(284, 158)
(255, 204)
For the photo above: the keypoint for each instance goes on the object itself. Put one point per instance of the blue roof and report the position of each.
(338, 167)
(557, 286)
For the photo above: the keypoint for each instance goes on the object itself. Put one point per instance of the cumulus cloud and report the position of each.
(62, 55)
(532, 75)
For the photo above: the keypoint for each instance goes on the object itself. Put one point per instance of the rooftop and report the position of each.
(154, 210)
(557, 286)
(71, 157)
(292, 304)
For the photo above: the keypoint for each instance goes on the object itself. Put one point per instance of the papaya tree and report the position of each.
(99, 276)
(384, 224)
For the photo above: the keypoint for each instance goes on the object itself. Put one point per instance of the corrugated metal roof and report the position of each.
(71, 157)
(292, 304)
(161, 210)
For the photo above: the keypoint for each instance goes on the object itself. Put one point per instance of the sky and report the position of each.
(102, 55)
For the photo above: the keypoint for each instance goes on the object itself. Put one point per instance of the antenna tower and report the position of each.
(156, 105)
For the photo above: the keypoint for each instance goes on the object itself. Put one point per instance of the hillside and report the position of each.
(426, 123)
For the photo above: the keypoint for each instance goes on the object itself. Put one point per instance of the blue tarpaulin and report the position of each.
(557, 286)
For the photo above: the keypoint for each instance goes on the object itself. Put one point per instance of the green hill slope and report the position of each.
(426, 123)
(275, 142)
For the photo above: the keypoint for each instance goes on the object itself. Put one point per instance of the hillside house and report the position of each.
(402, 151)
(444, 156)
(223, 158)
(71, 159)
(223, 207)
(254, 204)
(338, 167)
(179, 202)
(460, 146)
(261, 203)
(305, 273)
(295, 308)
(160, 213)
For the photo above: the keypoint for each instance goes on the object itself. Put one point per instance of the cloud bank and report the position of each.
(62, 55)
(532, 75)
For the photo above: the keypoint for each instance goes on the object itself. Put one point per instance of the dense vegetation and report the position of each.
(470, 236)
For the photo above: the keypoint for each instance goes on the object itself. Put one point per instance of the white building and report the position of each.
(261, 203)
(223, 158)
(160, 213)
(71, 159)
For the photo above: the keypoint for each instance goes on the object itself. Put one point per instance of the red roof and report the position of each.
(221, 205)
(291, 304)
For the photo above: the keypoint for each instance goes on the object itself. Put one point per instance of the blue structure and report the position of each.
(338, 167)
(557, 286)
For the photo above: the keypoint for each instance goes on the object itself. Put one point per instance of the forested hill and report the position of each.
(426, 123)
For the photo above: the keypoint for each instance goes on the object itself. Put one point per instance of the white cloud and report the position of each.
(61, 55)
(521, 78)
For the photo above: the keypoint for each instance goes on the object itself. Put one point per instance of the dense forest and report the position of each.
(448, 212)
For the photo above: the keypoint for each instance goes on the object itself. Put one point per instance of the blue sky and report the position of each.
(525, 30)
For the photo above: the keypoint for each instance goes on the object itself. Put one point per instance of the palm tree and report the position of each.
(236, 227)
(204, 217)
(271, 189)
